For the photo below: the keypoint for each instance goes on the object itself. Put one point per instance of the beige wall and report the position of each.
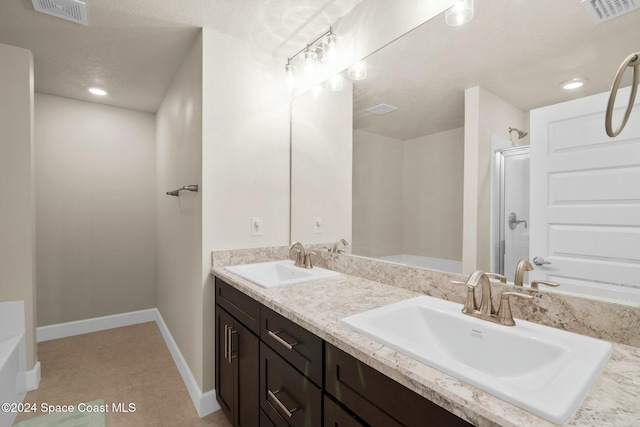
(179, 219)
(407, 195)
(17, 212)
(433, 186)
(485, 115)
(378, 196)
(95, 179)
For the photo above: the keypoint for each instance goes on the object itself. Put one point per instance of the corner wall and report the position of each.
(179, 219)
(17, 186)
(485, 114)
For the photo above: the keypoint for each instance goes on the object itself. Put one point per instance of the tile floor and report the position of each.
(123, 365)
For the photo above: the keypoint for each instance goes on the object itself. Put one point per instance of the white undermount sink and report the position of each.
(277, 273)
(543, 370)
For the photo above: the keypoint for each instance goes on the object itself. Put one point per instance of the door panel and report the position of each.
(585, 199)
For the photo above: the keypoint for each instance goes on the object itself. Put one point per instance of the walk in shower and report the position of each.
(510, 189)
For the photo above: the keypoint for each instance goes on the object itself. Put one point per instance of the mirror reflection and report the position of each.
(419, 190)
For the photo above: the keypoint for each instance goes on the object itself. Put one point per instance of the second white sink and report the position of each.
(541, 369)
(277, 273)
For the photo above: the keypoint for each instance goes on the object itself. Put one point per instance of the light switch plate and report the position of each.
(257, 226)
(317, 224)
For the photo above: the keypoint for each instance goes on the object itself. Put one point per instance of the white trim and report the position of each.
(205, 403)
(32, 378)
(79, 327)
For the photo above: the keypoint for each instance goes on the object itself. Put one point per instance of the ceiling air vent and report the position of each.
(71, 10)
(604, 10)
(382, 109)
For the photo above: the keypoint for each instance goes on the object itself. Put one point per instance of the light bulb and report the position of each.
(335, 83)
(357, 71)
(460, 13)
(572, 84)
(330, 48)
(310, 59)
(291, 78)
(97, 91)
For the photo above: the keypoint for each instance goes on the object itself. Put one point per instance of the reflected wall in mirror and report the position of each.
(422, 172)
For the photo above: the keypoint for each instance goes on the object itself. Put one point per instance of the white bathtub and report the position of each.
(13, 357)
(426, 262)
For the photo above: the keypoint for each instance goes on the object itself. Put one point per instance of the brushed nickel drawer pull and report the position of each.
(275, 336)
(226, 342)
(231, 356)
(272, 395)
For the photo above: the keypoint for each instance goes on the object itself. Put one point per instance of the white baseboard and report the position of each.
(69, 329)
(32, 378)
(205, 403)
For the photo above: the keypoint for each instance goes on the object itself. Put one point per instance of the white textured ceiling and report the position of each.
(521, 50)
(133, 48)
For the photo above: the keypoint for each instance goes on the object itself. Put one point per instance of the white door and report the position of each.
(585, 199)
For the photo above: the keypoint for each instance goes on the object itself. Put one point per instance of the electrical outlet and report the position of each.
(317, 224)
(257, 226)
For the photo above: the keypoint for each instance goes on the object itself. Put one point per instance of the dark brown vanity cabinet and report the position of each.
(271, 372)
(237, 364)
(377, 399)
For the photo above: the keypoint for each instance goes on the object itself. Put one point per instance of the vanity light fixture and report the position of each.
(97, 91)
(460, 13)
(358, 71)
(322, 49)
(573, 84)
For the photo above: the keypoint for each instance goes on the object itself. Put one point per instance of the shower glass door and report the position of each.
(512, 186)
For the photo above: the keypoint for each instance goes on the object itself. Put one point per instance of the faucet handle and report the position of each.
(505, 317)
(503, 279)
(470, 305)
(535, 283)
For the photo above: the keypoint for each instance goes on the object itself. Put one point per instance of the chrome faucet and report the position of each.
(335, 249)
(300, 253)
(523, 265)
(303, 258)
(486, 310)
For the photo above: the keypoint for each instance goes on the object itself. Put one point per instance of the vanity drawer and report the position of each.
(287, 396)
(242, 307)
(376, 398)
(295, 344)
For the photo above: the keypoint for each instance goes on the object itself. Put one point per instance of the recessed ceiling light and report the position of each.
(97, 91)
(572, 84)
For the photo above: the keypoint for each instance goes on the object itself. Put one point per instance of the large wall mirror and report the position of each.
(381, 161)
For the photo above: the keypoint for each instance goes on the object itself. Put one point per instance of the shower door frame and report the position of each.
(499, 172)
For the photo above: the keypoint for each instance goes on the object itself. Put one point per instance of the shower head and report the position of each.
(521, 133)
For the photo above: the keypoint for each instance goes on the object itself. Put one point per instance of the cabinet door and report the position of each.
(237, 370)
(224, 368)
(335, 416)
(245, 348)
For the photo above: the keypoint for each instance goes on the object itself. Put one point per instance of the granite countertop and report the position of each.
(318, 306)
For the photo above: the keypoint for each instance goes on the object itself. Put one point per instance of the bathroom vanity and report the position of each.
(271, 371)
(333, 375)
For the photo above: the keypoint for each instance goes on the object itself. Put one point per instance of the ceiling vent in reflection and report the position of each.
(381, 109)
(604, 10)
(71, 10)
